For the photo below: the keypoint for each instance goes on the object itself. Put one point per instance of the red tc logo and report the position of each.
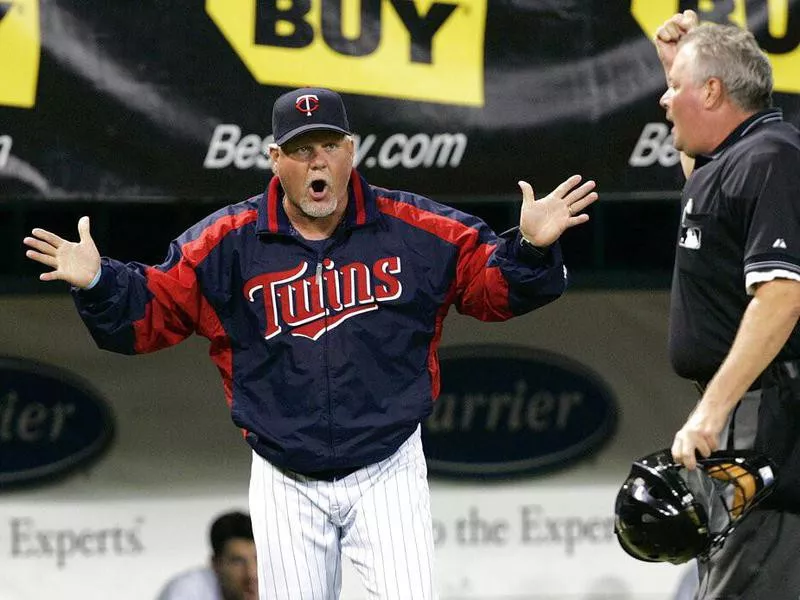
(307, 103)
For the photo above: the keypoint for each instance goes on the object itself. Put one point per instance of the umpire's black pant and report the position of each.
(760, 560)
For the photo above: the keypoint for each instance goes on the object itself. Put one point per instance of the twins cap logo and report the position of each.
(308, 109)
(307, 103)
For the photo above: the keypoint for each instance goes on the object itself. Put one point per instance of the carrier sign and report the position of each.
(505, 411)
(50, 423)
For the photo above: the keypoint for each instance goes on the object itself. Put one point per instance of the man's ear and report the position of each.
(274, 153)
(714, 92)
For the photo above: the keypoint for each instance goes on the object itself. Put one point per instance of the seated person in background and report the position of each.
(232, 574)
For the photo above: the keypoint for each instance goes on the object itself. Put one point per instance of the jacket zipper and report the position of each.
(326, 367)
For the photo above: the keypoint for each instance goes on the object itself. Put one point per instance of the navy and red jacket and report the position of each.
(328, 352)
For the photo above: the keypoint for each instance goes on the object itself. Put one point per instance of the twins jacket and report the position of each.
(327, 350)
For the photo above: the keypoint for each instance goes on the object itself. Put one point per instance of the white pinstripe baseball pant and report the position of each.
(379, 517)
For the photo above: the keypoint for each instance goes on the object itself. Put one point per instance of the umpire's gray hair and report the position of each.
(732, 55)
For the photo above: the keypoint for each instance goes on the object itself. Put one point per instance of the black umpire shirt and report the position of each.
(740, 225)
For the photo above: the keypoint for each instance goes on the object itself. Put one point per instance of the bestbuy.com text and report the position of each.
(229, 148)
(5, 149)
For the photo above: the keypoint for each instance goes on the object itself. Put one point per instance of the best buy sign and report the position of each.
(19, 52)
(411, 49)
(779, 39)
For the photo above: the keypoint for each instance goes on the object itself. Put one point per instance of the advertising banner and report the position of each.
(513, 542)
(534, 432)
(460, 99)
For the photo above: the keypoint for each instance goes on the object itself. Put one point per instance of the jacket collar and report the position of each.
(272, 218)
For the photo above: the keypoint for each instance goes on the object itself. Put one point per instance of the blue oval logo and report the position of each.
(505, 411)
(50, 422)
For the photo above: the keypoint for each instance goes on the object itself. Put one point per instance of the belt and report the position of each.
(326, 475)
(790, 367)
(702, 385)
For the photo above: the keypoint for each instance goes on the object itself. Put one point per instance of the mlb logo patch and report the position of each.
(691, 238)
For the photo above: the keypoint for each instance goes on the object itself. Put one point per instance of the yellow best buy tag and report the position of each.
(19, 52)
(780, 40)
(411, 49)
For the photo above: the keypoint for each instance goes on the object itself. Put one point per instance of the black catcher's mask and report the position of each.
(666, 513)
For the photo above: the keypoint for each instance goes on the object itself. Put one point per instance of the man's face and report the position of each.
(683, 102)
(314, 169)
(236, 570)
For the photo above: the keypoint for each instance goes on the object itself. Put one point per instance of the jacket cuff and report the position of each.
(102, 289)
(525, 252)
(530, 253)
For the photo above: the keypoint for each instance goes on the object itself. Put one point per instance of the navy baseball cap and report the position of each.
(308, 109)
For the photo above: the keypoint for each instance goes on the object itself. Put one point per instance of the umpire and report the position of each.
(736, 288)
